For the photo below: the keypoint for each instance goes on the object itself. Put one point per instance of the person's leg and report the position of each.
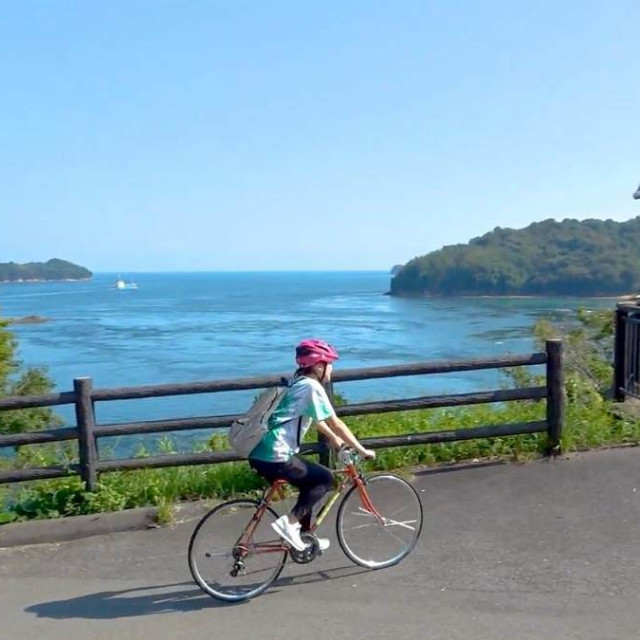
(286, 526)
(313, 480)
(270, 471)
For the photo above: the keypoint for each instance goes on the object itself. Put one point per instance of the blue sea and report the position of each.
(181, 327)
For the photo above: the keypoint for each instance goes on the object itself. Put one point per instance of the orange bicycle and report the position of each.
(234, 554)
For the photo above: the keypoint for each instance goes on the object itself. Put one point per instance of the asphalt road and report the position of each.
(545, 550)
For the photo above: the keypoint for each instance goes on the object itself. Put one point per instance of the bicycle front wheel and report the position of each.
(230, 557)
(379, 524)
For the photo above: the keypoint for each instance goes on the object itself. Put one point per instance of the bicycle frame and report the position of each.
(348, 475)
(352, 474)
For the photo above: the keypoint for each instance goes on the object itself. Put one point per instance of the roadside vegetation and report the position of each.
(590, 424)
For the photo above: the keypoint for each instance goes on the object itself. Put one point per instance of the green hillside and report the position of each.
(576, 258)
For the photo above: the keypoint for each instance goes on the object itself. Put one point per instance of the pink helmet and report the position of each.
(311, 352)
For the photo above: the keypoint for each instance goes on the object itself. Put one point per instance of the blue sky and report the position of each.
(294, 135)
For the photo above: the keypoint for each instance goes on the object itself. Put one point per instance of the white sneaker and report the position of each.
(289, 532)
(323, 544)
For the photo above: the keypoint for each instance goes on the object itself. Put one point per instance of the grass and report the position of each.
(589, 424)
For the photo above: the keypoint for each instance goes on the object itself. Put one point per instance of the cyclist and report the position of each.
(304, 402)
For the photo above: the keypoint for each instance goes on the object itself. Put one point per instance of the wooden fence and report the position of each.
(86, 432)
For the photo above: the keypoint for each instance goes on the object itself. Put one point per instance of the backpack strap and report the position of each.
(299, 429)
(289, 383)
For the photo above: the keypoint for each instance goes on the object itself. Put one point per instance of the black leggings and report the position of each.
(312, 479)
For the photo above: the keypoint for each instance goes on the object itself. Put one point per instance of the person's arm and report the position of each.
(335, 441)
(338, 434)
(328, 424)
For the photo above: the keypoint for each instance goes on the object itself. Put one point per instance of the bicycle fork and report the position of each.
(364, 498)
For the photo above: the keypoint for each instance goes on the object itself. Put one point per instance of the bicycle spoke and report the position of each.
(396, 523)
(401, 540)
(386, 521)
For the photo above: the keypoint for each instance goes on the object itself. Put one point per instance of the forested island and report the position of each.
(549, 258)
(54, 269)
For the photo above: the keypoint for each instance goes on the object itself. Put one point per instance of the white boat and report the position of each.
(122, 284)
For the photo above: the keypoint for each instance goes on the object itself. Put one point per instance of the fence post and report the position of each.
(324, 456)
(619, 355)
(85, 419)
(555, 396)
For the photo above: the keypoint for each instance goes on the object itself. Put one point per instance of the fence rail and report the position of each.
(86, 432)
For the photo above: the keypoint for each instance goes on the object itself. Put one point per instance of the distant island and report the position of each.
(549, 258)
(42, 271)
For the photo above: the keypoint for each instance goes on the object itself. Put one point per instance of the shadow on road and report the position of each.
(321, 575)
(458, 466)
(166, 598)
(140, 601)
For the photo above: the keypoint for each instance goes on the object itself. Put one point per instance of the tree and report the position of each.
(588, 340)
(17, 381)
(588, 351)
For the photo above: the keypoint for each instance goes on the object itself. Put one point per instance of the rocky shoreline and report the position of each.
(33, 319)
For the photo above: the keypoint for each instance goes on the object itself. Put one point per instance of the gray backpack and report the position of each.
(246, 432)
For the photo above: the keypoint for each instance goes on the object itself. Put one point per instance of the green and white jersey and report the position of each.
(304, 401)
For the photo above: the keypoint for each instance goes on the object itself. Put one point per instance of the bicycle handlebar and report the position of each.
(347, 455)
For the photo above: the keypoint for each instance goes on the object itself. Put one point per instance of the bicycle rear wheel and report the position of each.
(228, 565)
(380, 528)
